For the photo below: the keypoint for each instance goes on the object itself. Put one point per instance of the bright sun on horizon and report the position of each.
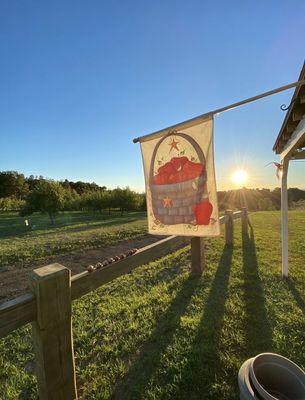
(239, 177)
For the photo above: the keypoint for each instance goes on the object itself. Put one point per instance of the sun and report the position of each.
(239, 177)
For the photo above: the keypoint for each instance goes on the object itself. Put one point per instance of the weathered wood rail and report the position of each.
(48, 306)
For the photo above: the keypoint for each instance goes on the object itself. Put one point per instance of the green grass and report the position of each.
(73, 231)
(158, 334)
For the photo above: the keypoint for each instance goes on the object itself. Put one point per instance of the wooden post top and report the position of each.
(48, 271)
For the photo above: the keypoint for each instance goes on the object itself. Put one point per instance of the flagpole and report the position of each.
(193, 121)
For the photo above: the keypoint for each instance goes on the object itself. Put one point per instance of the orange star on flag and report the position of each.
(167, 202)
(174, 145)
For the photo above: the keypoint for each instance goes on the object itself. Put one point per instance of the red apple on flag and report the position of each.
(192, 170)
(178, 162)
(179, 169)
(167, 168)
(177, 177)
(203, 212)
(161, 179)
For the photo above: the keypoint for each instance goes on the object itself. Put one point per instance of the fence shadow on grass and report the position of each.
(203, 364)
(257, 327)
(149, 357)
(296, 294)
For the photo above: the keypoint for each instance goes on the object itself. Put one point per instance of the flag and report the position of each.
(180, 182)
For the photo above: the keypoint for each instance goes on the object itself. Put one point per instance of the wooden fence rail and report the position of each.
(48, 306)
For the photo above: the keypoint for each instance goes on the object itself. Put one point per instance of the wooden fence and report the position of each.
(49, 306)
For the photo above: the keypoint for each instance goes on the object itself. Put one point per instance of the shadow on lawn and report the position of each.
(148, 360)
(203, 362)
(202, 368)
(258, 331)
(298, 298)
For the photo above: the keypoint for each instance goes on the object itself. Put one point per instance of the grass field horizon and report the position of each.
(157, 333)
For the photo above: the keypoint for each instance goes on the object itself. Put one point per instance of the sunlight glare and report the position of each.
(239, 177)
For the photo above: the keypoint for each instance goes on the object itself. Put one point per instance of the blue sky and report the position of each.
(80, 79)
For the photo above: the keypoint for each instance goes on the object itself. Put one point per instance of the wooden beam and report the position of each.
(87, 281)
(298, 155)
(286, 135)
(223, 219)
(237, 214)
(298, 113)
(284, 217)
(197, 256)
(302, 99)
(295, 140)
(229, 228)
(244, 221)
(16, 313)
(52, 333)
(291, 126)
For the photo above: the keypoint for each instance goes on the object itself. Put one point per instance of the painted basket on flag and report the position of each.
(184, 195)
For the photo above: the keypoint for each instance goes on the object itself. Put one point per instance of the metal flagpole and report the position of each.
(193, 121)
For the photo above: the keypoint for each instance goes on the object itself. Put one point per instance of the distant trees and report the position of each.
(51, 197)
(47, 197)
(123, 199)
(298, 205)
(11, 204)
(257, 199)
(12, 184)
(265, 204)
(82, 187)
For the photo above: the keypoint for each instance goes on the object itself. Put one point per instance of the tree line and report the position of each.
(38, 194)
(258, 199)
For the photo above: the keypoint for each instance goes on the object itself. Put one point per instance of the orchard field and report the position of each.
(158, 334)
(72, 231)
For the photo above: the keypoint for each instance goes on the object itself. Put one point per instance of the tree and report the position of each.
(84, 187)
(141, 202)
(71, 200)
(124, 199)
(47, 197)
(12, 184)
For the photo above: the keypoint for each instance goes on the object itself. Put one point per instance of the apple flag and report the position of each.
(180, 181)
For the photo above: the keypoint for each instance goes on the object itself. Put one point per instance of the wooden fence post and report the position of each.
(229, 227)
(52, 333)
(197, 256)
(244, 221)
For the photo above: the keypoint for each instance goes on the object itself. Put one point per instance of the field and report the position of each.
(77, 240)
(159, 334)
(72, 231)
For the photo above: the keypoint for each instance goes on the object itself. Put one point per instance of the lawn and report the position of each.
(73, 231)
(159, 334)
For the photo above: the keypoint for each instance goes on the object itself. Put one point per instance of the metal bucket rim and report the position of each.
(261, 390)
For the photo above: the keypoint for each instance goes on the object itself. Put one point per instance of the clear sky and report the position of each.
(80, 79)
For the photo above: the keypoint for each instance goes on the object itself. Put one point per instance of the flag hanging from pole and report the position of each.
(180, 182)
